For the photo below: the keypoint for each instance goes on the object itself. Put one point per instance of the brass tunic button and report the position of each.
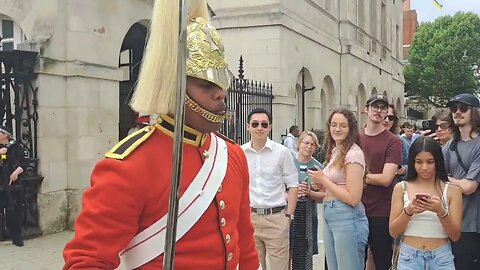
(230, 256)
(223, 222)
(222, 204)
(227, 238)
(220, 188)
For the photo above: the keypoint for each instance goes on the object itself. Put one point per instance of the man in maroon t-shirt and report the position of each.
(383, 155)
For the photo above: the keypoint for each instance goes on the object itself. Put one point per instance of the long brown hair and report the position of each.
(352, 137)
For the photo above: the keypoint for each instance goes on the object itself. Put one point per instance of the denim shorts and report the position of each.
(415, 259)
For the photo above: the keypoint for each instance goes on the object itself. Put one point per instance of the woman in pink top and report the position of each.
(345, 223)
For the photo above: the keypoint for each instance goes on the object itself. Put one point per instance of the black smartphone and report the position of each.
(429, 124)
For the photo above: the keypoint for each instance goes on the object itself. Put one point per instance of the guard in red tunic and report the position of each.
(124, 211)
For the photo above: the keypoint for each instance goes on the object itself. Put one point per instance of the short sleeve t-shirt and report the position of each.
(380, 149)
(336, 175)
(310, 164)
(469, 152)
(302, 176)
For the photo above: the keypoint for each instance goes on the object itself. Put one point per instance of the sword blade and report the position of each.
(171, 233)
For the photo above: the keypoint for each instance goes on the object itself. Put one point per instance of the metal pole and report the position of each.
(171, 233)
(303, 98)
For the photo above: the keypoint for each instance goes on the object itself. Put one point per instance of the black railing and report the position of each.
(243, 96)
(18, 110)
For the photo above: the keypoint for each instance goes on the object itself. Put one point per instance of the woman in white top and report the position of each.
(426, 209)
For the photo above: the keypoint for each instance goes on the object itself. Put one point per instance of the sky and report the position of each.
(427, 11)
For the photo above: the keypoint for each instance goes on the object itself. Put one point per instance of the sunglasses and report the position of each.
(391, 117)
(461, 106)
(442, 126)
(255, 124)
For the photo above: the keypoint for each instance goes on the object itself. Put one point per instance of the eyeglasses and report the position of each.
(309, 144)
(376, 108)
(460, 106)
(391, 117)
(263, 124)
(341, 126)
(442, 126)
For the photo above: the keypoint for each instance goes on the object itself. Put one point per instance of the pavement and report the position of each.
(45, 252)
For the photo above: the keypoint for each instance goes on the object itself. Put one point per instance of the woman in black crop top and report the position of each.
(426, 210)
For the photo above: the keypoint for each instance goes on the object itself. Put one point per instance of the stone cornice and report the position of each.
(56, 67)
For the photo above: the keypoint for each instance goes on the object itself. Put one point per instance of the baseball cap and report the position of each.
(465, 98)
(377, 97)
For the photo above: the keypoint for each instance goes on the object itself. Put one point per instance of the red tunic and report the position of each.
(129, 195)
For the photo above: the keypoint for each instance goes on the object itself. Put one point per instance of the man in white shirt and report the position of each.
(291, 139)
(271, 169)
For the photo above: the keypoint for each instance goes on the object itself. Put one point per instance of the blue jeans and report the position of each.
(345, 235)
(414, 259)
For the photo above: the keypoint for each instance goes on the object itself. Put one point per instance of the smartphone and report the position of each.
(429, 125)
(422, 196)
(313, 169)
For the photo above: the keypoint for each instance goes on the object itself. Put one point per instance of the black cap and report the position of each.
(6, 130)
(466, 98)
(377, 97)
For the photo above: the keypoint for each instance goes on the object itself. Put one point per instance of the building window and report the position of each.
(384, 24)
(397, 41)
(373, 17)
(361, 13)
(7, 34)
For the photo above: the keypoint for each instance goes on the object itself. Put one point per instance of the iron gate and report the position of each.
(18, 110)
(243, 96)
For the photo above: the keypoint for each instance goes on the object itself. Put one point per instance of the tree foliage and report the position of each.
(444, 60)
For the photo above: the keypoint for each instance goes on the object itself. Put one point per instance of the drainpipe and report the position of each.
(304, 89)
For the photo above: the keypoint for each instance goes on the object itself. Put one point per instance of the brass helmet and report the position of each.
(157, 84)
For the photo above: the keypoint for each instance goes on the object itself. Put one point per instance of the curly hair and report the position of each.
(352, 138)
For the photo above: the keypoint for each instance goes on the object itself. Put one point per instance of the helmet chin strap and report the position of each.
(209, 116)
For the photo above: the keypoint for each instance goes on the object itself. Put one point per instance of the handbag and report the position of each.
(396, 247)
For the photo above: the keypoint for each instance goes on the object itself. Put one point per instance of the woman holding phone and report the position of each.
(345, 223)
(307, 145)
(427, 210)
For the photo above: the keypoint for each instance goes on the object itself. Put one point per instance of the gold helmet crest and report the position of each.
(157, 84)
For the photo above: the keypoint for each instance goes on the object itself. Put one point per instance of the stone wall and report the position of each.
(78, 79)
(277, 38)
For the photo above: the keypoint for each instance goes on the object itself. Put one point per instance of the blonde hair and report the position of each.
(157, 83)
(305, 134)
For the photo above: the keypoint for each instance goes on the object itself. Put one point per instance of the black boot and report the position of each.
(17, 241)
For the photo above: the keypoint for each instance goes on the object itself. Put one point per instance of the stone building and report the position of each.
(335, 52)
(343, 50)
(88, 56)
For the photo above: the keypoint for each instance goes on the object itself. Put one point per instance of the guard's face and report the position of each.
(259, 126)
(211, 98)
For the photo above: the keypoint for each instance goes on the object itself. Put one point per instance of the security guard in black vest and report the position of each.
(12, 164)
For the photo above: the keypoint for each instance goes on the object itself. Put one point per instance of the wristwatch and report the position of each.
(291, 217)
